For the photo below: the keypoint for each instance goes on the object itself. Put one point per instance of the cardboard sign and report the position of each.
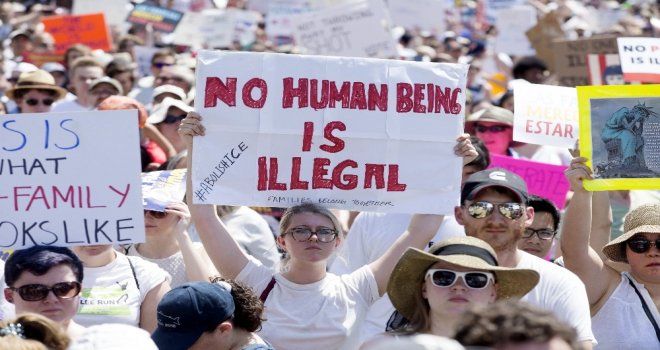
(545, 180)
(542, 35)
(551, 120)
(354, 30)
(351, 133)
(620, 135)
(571, 58)
(64, 183)
(511, 27)
(640, 59)
(160, 188)
(115, 11)
(425, 15)
(161, 18)
(78, 29)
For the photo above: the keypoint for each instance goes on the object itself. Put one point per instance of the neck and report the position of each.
(442, 325)
(158, 247)
(509, 257)
(242, 338)
(305, 273)
(527, 149)
(100, 260)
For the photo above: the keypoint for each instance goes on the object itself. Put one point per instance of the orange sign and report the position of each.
(89, 29)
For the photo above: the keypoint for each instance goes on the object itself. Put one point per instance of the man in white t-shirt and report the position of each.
(83, 71)
(494, 209)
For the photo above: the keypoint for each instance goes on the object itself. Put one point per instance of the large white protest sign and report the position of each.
(115, 11)
(545, 115)
(425, 15)
(66, 180)
(640, 59)
(512, 24)
(209, 28)
(355, 30)
(353, 133)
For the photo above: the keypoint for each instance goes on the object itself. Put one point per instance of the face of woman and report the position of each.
(35, 101)
(156, 225)
(645, 265)
(311, 250)
(457, 298)
(496, 136)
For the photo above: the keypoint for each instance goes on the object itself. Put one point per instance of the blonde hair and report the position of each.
(39, 332)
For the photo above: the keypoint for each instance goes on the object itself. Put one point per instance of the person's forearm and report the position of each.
(195, 266)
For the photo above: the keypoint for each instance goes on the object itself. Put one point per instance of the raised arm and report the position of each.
(221, 247)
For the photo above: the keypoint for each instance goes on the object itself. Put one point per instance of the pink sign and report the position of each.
(545, 180)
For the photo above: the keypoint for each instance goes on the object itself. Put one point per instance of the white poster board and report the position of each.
(640, 59)
(425, 15)
(115, 11)
(143, 55)
(512, 24)
(67, 181)
(365, 134)
(550, 120)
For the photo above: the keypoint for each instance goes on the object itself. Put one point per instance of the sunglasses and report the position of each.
(493, 128)
(303, 234)
(544, 233)
(34, 101)
(480, 210)
(155, 214)
(447, 278)
(160, 65)
(171, 118)
(165, 79)
(642, 245)
(37, 292)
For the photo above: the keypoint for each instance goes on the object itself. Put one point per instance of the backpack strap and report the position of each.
(130, 263)
(266, 292)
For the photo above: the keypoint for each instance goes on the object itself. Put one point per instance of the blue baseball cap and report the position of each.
(189, 310)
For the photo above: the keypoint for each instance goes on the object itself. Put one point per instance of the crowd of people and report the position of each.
(508, 270)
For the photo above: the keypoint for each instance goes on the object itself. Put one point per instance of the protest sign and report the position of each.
(279, 15)
(640, 59)
(143, 55)
(620, 136)
(65, 183)
(492, 7)
(161, 18)
(551, 120)
(160, 188)
(351, 133)
(39, 58)
(87, 29)
(571, 58)
(426, 15)
(115, 11)
(542, 35)
(545, 180)
(604, 69)
(353, 30)
(512, 24)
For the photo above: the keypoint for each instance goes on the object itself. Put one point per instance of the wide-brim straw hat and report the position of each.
(38, 79)
(645, 218)
(466, 252)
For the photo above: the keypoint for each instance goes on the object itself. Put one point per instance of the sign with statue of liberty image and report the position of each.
(620, 135)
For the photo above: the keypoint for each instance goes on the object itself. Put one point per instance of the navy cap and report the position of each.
(494, 177)
(189, 310)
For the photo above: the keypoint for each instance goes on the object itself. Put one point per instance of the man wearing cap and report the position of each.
(494, 208)
(102, 88)
(35, 92)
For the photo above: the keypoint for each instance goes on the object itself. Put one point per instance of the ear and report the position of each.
(424, 289)
(530, 216)
(458, 215)
(9, 296)
(281, 243)
(225, 327)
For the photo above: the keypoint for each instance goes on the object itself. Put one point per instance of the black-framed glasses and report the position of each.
(304, 234)
(155, 214)
(642, 245)
(34, 101)
(447, 278)
(544, 233)
(492, 128)
(37, 292)
(171, 118)
(480, 210)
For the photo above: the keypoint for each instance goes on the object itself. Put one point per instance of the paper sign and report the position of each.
(545, 180)
(604, 69)
(162, 19)
(640, 59)
(571, 58)
(115, 11)
(65, 183)
(351, 133)
(78, 29)
(143, 55)
(542, 35)
(354, 30)
(425, 15)
(551, 120)
(160, 188)
(511, 27)
(620, 135)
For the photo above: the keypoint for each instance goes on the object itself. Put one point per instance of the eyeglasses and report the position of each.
(642, 245)
(304, 234)
(544, 233)
(171, 118)
(37, 292)
(34, 101)
(155, 214)
(160, 65)
(480, 210)
(493, 128)
(165, 79)
(447, 278)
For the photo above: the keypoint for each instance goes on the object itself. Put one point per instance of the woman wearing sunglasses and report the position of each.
(46, 281)
(624, 305)
(35, 92)
(432, 289)
(167, 116)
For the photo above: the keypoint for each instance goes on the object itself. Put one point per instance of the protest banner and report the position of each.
(143, 55)
(351, 133)
(571, 58)
(65, 183)
(511, 25)
(551, 120)
(280, 14)
(604, 69)
(115, 11)
(353, 30)
(640, 59)
(161, 18)
(545, 180)
(87, 29)
(428, 15)
(620, 136)
(542, 35)
(160, 188)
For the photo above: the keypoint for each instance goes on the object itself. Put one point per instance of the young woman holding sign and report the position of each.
(304, 304)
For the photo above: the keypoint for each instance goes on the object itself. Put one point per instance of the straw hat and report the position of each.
(467, 252)
(38, 79)
(645, 218)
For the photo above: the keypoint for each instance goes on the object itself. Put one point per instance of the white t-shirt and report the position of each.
(69, 106)
(110, 293)
(320, 315)
(370, 236)
(561, 291)
(253, 234)
(173, 264)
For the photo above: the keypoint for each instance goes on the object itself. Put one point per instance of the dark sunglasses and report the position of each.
(37, 292)
(480, 210)
(642, 245)
(165, 79)
(493, 128)
(447, 278)
(544, 233)
(160, 65)
(34, 101)
(155, 214)
(303, 234)
(171, 118)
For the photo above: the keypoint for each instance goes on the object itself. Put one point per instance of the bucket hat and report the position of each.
(645, 218)
(38, 79)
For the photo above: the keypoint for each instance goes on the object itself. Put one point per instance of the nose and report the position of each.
(51, 297)
(459, 284)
